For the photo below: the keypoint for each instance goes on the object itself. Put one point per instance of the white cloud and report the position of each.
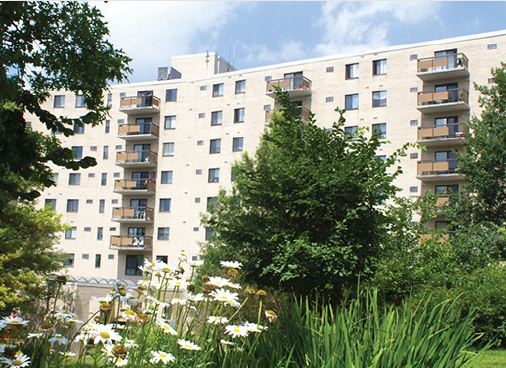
(355, 26)
(151, 32)
(261, 54)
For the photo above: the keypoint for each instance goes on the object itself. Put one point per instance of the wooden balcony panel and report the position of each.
(131, 243)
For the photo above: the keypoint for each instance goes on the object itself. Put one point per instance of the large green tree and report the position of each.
(49, 46)
(305, 213)
(483, 160)
(45, 47)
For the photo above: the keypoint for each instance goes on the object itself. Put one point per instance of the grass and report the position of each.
(492, 359)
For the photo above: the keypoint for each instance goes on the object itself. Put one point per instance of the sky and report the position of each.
(256, 33)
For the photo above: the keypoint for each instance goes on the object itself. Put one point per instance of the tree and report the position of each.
(27, 237)
(305, 213)
(483, 161)
(49, 46)
(45, 46)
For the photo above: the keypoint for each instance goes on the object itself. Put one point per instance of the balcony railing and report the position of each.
(134, 185)
(139, 104)
(441, 132)
(136, 158)
(131, 243)
(435, 168)
(133, 214)
(138, 131)
(450, 66)
(442, 200)
(453, 99)
(295, 86)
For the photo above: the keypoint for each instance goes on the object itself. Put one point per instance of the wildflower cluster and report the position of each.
(163, 320)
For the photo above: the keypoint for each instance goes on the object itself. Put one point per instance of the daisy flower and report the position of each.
(179, 301)
(231, 264)
(166, 327)
(216, 320)
(105, 334)
(187, 345)
(19, 360)
(58, 339)
(253, 327)
(195, 298)
(14, 321)
(161, 356)
(222, 282)
(225, 296)
(236, 330)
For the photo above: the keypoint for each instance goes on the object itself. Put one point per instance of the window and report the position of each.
(118, 147)
(59, 102)
(200, 142)
(216, 117)
(202, 115)
(351, 71)
(165, 204)
(55, 178)
(329, 69)
(74, 179)
(351, 101)
(109, 100)
(89, 201)
(107, 126)
(163, 233)
(379, 67)
(78, 128)
(71, 233)
(379, 98)
(51, 202)
(100, 233)
(413, 189)
(80, 101)
(413, 156)
(98, 260)
(240, 86)
(446, 189)
(105, 153)
(329, 99)
(163, 259)
(166, 177)
(68, 260)
(413, 122)
(93, 149)
(380, 129)
(212, 202)
(203, 88)
(101, 206)
(351, 131)
(72, 205)
(170, 122)
(168, 149)
(132, 264)
(103, 179)
(215, 145)
(210, 233)
(237, 144)
(198, 171)
(492, 46)
(171, 95)
(213, 175)
(217, 90)
(85, 256)
(239, 115)
(110, 257)
(78, 152)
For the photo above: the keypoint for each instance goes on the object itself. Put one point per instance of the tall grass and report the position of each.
(364, 334)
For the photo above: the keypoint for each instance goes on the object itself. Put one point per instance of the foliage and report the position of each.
(49, 46)
(26, 252)
(305, 212)
(157, 323)
(483, 161)
(364, 334)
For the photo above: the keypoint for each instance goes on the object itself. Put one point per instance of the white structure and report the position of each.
(168, 145)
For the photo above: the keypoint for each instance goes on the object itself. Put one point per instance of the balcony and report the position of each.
(441, 135)
(135, 105)
(134, 186)
(442, 200)
(133, 214)
(304, 114)
(438, 170)
(296, 87)
(443, 101)
(450, 66)
(137, 132)
(131, 243)
(136, 158)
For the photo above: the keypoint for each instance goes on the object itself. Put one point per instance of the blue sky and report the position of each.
(255, 33)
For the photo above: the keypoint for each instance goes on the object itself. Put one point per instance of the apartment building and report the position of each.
(168, 145)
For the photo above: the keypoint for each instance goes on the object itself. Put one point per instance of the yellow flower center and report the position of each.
(105, 334)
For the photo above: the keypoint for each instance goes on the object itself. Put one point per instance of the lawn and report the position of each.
(492, 359)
